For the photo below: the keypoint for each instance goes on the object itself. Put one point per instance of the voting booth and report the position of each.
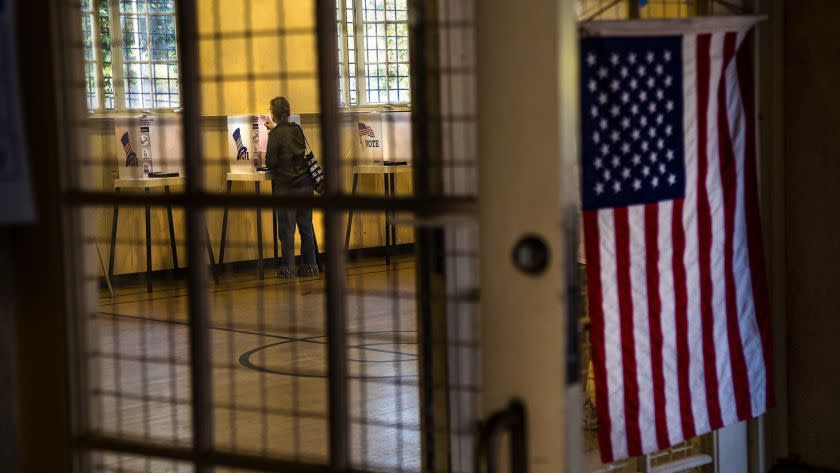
(148, 145)
(247, 138)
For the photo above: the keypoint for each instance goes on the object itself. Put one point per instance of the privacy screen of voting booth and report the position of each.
(149, 146)
(383, 138)
(247, 138)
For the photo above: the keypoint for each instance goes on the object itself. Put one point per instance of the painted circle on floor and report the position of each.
(376, 360)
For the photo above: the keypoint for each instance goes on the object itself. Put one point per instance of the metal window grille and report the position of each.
(370, 367)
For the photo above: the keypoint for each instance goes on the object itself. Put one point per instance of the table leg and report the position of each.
(148, 246)
(259, 236)
(113, 249)
(387, 222)
(224, 229)
(350, 214)
(171, 233)
(210, 255)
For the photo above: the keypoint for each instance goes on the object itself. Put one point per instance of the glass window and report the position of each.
(379, 29)
(148, 77)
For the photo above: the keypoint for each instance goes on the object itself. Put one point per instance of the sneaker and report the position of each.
(308, 271)
(286, 272)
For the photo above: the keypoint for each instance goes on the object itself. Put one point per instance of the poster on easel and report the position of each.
(247, 138)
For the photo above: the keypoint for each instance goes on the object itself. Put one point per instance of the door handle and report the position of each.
(512, 419)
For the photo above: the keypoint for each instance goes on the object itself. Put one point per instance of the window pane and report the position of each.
(132, 6)
(162, 6)
(135, 38)
(164, 47)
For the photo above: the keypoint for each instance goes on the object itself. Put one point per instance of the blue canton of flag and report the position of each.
(632, 121)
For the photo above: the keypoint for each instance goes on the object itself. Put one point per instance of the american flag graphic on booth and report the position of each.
(675, 272)
(365, 130)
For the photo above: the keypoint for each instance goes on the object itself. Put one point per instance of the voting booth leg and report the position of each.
(350, 213)
(259, 236)
(387, 223)
(393, 214)
(224, 230)
(210, 255)
(148, 245)
(113, 239)
(171, 233)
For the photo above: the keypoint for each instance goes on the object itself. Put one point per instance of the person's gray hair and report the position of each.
(280, 107)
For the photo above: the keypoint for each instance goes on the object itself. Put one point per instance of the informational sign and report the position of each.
(161, 140)
(247, 138)
(15, 189)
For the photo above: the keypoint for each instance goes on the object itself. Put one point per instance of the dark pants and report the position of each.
(286, 221)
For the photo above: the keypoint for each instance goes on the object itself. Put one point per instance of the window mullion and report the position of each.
(117, 72)
(345, 53)
(361, 53)
(98, 54)
(148, 19)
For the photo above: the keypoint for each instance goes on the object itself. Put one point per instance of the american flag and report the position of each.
(676, 282)
(365, 130)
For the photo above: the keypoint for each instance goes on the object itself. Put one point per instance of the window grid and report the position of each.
(145, 70)
(150, 59)
(384, 65)
(91, 63)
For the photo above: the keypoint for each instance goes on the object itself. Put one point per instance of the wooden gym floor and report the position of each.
(268, 367)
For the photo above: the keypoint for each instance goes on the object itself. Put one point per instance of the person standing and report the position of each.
(284, 157)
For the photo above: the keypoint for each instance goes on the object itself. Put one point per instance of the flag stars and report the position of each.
(645, 171)
(605, 150)
(666, 56)
(599, 188)
(596, 137)
(603, 124)
(625, 97)
(602, 98)
(614, 85)
(652, 157)
(659, 69)
(649, 56)
(602, 72)
(645, 146)
(643, 120)
(668, 81)
(672, 179)
(625, 123)
(594, 111)
(650, 82)
(616, 161)
(654, 182)
(641, 70)
(659, 119)
(614, 59)
(607, 174)
(637, 160)
(615, 135)
(625, 148)
(631, 58)
(662, 168)
(614, 110)
(660, 143)
(669, 105)
(625, 173)
(637, 184)
(652, 107)
(597, 163)
(634, 109)
(669, 155)
(660, 94)
(668, 130)
(616, 187)
(624, 71)
(635, 134)
(591, 59)
(634, 84)
(592, 85)
(643, 96)
(652, 132)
